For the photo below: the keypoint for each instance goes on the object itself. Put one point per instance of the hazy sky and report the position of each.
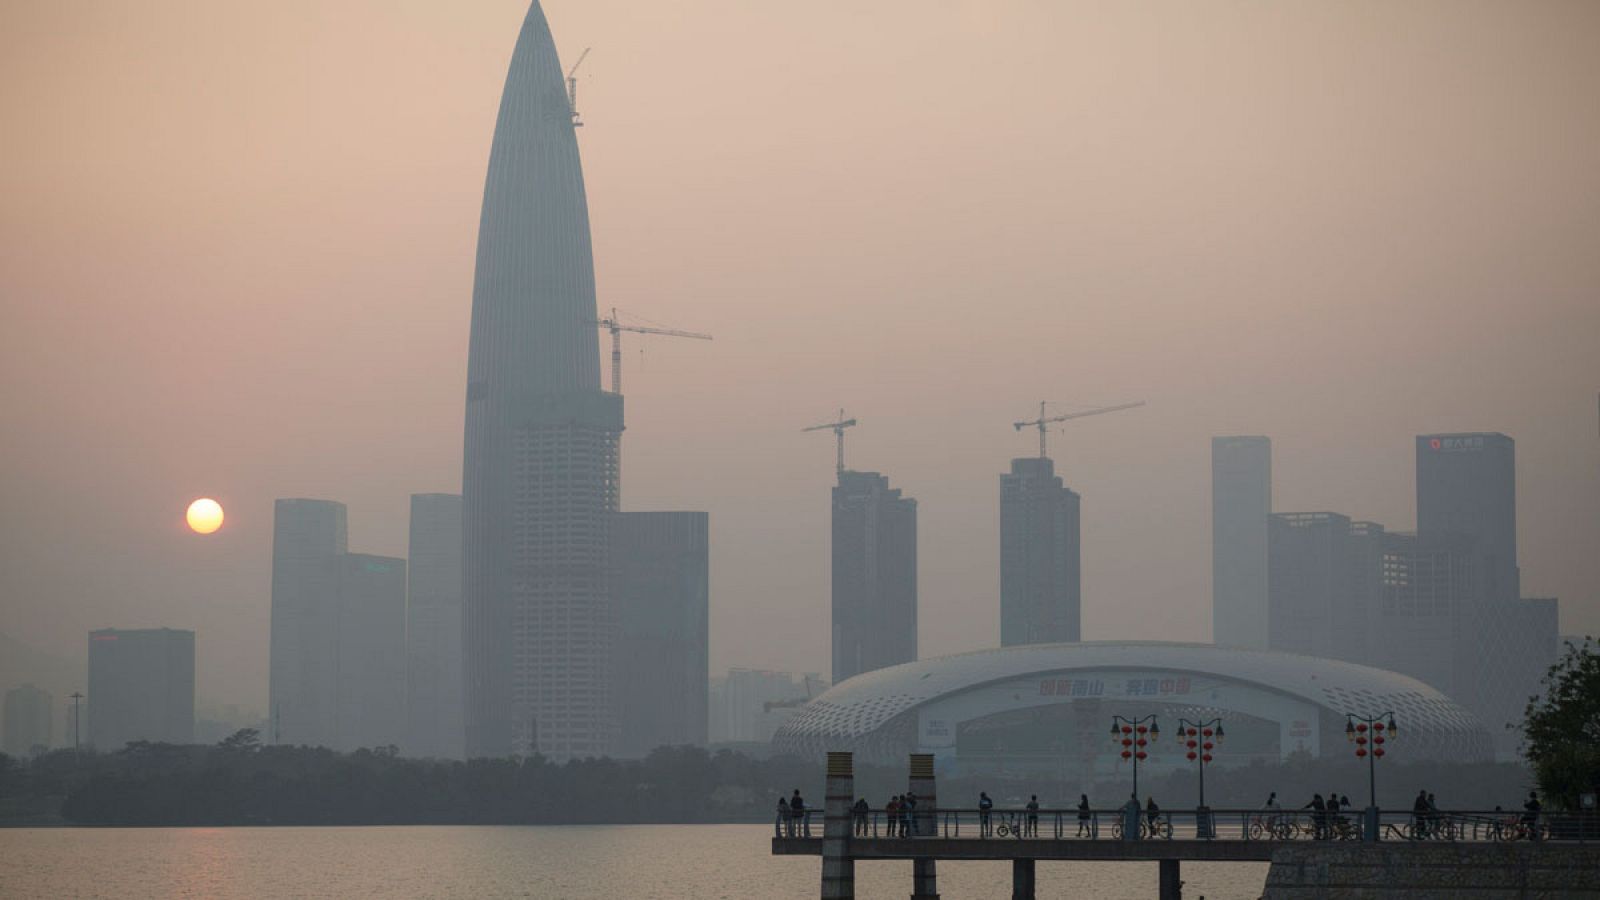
(236, 250)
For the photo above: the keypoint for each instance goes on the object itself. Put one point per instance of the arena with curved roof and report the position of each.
(1048, 708)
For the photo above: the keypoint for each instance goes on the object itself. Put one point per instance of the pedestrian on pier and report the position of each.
(984, 806)
(1033, 816)
(1084, 816)
(1530, 814)
(860, 811)
(784, 825)
(891, 816)
(797, 810)
(1319, 816)
(1419, 815)
(910, 813)
(1152, 813)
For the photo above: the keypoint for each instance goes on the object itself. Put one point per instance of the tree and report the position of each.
(245, 740)
(1561, 728)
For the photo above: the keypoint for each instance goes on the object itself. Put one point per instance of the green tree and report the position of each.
(1561, 728)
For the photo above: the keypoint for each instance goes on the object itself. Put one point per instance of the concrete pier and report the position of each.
(838, 866)
(1171, 881)
(924, 869)
(1024, 875)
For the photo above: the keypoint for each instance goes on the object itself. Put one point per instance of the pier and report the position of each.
(1498, 853)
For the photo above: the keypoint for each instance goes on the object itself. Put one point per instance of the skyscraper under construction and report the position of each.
(539, 479)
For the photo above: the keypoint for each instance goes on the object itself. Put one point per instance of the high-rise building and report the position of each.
(1467, 485)
(1322, 584)
(26, 721)
(433, 628)
(308, 537)
(141, 682)
(874, 575)
(539, 475)
(749, 705)
(1041, 585)
(370, 655)
(662, 598)
(1241, 501)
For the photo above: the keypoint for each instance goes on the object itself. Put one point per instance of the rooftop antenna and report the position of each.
(572, 87)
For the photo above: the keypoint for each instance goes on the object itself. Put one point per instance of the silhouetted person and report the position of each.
(910, 805)
(797, 809)
(1084, 816)
(784, 825)
(1033, 816)
(1530, 814)
(860, 810)
(891, 816)
(1419, 815)
(1319, 816)
(984, 805)
(1152, 813)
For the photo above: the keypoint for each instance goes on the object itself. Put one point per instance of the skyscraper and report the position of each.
(539, 475)
(308, 537)
(1041, 586)
(370, 657)
(874, 575)
(433, 628)
(141, 685)
(662, 599)
(1322, 584)
(26, 721)
(1467, 485)
(1241, 501)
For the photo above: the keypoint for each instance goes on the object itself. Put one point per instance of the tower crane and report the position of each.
(838, 428)
(616, 328)
(1043, 422)
(572, 87)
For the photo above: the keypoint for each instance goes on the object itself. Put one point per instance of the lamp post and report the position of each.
(1135, 736)
(1199, 739)
(1369, 734)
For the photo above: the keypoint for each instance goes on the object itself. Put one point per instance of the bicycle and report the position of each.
(1271, 827)
(1160, 828)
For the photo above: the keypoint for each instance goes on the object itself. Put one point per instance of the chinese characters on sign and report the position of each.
(1095, 687)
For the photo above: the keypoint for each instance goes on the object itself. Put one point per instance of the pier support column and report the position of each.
(838, 868)
(1022, 879)
(924, 872)
(1171, 884)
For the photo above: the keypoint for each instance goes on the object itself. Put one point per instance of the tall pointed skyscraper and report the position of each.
(539, 480)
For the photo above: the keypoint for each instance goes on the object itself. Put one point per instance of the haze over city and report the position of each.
(237, 256)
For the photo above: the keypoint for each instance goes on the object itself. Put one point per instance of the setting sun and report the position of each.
(205, 515)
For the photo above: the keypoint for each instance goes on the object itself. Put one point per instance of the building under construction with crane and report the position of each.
(541, 470)
(1041, 575)
(874, 555)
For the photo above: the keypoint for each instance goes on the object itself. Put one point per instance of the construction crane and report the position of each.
(617, 328)
(838, 432)
(792, 702)
(572, 87)
(1043, 422)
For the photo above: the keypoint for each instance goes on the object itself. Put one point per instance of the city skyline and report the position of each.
(293, 362)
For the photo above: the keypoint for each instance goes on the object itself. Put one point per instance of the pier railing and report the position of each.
(1203, 824)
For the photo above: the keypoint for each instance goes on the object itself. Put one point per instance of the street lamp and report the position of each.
(1135, 736)
(1199, 739)
(1369, 734)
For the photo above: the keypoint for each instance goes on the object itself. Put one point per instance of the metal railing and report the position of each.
(1207, 824)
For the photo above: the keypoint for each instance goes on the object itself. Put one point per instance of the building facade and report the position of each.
(433, 629)
(539, 476)
(370, 657)
(308, 538)
(1241, 501)
(1041, 583)
(749, 705)
(874, 575)
(662, 596)
(141, 687)
(1322, 584)
(25, 722)
(1467, 486)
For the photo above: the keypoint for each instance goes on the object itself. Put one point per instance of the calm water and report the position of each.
(626, 862)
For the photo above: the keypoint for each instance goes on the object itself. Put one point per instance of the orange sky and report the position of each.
(236, 259)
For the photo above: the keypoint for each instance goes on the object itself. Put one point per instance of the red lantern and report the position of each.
(1127, 730)
(1191, 754)
(1361, 741)
(1143, 729)
(1207, 757)
(1360, 752)
(1378, 739)
(1141, 742)
(1209, 746)
(1127, 742)
(1378, 752)
(1362, 727)
(1126, 754)
(1141, 754)
(1377, 726)
(1208, 732)
(1191, 745)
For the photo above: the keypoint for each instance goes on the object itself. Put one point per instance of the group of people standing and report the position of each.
(1326, 820)
(793, 816)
